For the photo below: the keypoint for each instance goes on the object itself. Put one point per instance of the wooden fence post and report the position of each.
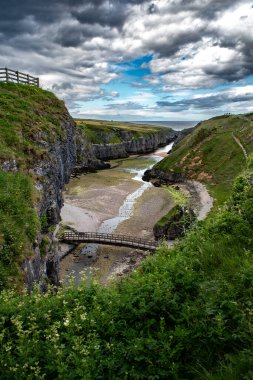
(6, 74)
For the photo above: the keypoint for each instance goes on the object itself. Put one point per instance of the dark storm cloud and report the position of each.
(103, 12)
(244, 46)
(170, 47)
(62, 86)
(205, 103)
(232, 72)
(202, 8)
(75, 35)
(152, 8)
(111, 13)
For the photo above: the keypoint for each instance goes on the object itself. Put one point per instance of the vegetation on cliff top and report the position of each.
(111, 132)
(28, 116)
(187, 313)
(214, 152)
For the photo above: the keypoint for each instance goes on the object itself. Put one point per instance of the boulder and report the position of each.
(175, 224)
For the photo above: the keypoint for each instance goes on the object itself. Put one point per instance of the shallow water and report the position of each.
(83, 262)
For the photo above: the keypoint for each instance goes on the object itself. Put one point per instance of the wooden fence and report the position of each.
(12, 76)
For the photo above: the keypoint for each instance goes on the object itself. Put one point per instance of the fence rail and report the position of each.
(110, 239)
(12, 76)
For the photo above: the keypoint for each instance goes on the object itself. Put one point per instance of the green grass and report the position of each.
(211, 155)
(171, 214)
(27, 116)
(18, 225)
(177, 196)
(111, 132)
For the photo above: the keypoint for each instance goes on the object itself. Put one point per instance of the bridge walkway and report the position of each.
(109, 239)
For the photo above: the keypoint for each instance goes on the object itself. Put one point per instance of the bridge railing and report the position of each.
(72, 236)
(12, 76)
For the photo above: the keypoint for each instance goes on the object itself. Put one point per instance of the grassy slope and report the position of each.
(96, 130)
(24, 113)
(210, 153)
(27, 115)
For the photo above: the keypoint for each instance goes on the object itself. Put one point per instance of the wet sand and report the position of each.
(93, 198)
(113, 262)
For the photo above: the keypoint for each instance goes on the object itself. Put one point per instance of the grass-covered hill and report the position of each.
(111, 132)
(215, 152)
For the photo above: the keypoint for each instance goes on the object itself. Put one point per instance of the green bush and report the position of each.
(18, 222)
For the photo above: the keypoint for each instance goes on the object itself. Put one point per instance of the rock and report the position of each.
(180, 219)
(160, 177)
(9, 166)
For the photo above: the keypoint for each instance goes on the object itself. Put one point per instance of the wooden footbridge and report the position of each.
(109, 239)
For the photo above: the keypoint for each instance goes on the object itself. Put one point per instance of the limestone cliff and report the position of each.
(108, 141)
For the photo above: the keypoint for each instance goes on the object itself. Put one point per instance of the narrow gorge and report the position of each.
(51, 147)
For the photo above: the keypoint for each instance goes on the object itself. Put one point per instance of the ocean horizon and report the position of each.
(174, 124)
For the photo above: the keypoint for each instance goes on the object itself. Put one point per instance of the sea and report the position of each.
(176, 125)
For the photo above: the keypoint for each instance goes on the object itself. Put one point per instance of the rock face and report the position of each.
(148, 143)
(159, 177)
(179, 220)
(54, 169)
(130, 144)
(110, 151)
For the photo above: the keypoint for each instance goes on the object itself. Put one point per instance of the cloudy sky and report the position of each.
(135, 59)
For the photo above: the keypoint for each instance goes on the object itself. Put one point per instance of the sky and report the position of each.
(135, 59)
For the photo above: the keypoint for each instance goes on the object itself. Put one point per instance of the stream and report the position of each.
(116, 200)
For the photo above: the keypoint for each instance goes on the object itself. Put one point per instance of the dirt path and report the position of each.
(238, 142)
(199, 198)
